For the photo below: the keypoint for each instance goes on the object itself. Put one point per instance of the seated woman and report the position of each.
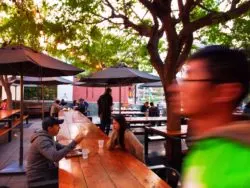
(122, 137)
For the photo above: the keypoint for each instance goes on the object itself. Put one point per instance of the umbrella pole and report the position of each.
(87, 92)
(15, 97)
(120, 102)
(18, 168)
(42, 101)
(42, 95)
(135, 93)
(21, 125)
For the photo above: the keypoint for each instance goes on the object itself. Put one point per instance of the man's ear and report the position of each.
(228, 92)
(49, 128)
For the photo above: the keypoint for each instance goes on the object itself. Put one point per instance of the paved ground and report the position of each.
(9, 152)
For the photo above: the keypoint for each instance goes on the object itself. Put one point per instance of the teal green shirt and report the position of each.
(218, 163)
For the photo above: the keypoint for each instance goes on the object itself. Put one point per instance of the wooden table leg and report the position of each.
(10, 132)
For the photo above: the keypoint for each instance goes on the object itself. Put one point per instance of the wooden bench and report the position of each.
(138, 131)
(12, 125)
(17, 121)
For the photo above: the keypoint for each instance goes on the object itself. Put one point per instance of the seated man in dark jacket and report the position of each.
(45, 153)
(144, 107)
(153, 112)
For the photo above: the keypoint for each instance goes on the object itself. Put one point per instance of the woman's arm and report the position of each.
(134, 146)
(112, 141)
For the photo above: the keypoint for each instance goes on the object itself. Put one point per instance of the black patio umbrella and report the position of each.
(120, 75)
(24, 61)
(28, 80)
(152, 84)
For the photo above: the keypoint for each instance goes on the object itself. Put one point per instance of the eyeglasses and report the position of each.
(181, 80)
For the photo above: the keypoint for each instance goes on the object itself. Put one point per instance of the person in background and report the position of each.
(215, 82)
(63, 103)
(122, 137)
(74, 104)
(55, 108)
(153, 110)
(247, 108)
(82, 107)
(44, 154)
(4, 105)
(144, 107)
(86, 104)
(105, 103)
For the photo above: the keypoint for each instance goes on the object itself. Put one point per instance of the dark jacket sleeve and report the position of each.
(48, 149)
(59, 146)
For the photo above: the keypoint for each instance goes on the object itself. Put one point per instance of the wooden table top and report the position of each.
(7, 113)
(128, 112)
(103, 168)
(162, 130)
(34, 107)
(145, 119)
(128, 109)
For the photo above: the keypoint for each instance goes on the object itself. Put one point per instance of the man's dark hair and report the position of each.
(225, 66)
(108, 90)
(50, 121)
(151, 104)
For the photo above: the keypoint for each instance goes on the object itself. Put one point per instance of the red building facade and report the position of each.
(92, 94)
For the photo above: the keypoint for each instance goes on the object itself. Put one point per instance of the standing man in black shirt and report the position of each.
(105, 103)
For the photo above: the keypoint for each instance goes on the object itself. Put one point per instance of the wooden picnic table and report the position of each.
(126, 110)
(34, 107)
(8, 113)
(162, 130)
(175, 137)
(146, 119)
(103, 168)
(129, 113)
(6, 116)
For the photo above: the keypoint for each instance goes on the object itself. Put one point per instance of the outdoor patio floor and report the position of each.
(9, 152)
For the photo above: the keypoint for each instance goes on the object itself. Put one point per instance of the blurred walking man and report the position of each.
(216, 81)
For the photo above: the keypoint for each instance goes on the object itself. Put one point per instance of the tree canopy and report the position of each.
(69, 31)
(93, 34)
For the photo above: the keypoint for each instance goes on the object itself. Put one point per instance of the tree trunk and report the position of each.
(6, 85)
(9, 97)
(173, 119)
(173, 146)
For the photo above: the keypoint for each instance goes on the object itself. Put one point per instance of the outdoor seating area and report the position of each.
(124, 94)
(77, 123)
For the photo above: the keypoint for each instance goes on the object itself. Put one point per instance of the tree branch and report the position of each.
(143, 30)
(234, 4)
(205, 8)
(153, 49)
(215, 18)
(180, 5)
(186, 48)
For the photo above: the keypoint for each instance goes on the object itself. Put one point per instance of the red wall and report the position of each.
(91, 94)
